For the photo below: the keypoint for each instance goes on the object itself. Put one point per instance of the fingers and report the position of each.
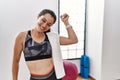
(64, 16)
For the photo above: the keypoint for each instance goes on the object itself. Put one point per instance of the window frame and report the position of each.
(84, 32)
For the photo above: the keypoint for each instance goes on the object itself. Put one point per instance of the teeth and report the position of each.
(42, 28)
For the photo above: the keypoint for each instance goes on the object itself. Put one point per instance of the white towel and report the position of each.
(56, 54)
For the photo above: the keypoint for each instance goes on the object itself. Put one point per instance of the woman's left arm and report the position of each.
(72, 38)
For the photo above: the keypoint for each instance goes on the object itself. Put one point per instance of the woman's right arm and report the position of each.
(18, 47)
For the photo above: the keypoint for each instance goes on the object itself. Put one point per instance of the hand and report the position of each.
(65, 18)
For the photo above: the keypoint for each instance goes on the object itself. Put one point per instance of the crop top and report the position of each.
(36, 51)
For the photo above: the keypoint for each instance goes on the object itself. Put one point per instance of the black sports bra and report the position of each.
(35, 51)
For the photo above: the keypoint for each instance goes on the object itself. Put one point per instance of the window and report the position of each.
(76, 10)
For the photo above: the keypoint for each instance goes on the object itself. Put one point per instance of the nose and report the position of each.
(44, 25)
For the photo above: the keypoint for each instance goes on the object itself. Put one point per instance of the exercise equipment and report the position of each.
(71, 71)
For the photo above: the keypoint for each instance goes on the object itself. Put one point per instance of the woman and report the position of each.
(41, 48)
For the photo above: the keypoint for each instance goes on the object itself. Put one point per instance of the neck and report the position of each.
(37, 33)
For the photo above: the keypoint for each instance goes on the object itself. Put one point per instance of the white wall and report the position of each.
(103, 39)
(16, 16)
(95, 10)
(111, 41)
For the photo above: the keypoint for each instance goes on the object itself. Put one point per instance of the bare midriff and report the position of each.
(40, 67)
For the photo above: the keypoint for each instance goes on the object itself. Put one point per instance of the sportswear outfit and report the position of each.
(49, 48)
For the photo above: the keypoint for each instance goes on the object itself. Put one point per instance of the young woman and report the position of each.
(41, 48)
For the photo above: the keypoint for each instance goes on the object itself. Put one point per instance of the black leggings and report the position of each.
(51, 76)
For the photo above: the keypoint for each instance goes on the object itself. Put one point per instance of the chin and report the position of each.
(39, 30)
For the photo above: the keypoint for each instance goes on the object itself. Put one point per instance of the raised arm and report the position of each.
(18, 46)
(72, 38)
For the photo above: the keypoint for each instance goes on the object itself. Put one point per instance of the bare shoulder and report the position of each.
(21, 36)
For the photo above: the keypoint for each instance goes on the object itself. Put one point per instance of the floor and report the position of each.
(80, 78)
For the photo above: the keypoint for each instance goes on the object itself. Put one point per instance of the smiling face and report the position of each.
(44, 22)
